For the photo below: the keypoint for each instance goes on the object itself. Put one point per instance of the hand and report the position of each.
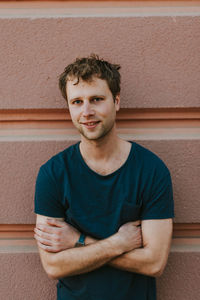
(56, 235)
(129, 236)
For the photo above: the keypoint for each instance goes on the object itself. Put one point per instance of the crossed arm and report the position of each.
(133, 248)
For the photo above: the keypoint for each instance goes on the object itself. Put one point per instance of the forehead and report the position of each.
(95, 86)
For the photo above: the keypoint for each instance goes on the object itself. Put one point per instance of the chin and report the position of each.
(91, 138)
(95, 137)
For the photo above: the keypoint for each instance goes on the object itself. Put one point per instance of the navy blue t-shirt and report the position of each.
(98, 205)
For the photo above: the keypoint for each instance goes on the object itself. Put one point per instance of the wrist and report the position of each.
(81, 241)
(89, 240)
(116, 243)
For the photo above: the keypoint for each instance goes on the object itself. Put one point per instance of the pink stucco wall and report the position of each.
(158, 46)
(24, 278)
(159, 57)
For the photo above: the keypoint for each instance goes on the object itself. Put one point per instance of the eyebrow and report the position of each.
(77, 98)
(100, 96)
(93, 96)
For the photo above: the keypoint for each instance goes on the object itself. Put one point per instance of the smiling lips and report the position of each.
(91, 124)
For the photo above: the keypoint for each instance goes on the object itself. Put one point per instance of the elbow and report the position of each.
(157, 270)
(52, 274)
(53, 265)
(50, 268)
(157, 265)
(55, 274)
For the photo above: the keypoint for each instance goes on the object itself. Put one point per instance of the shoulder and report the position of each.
(156, 185)
(149, 160)
(57, 163)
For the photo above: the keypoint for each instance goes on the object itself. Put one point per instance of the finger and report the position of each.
(46, 228)
(47, 248)
(53, 237)
(43, 234)
(55, 222)
(42, 241)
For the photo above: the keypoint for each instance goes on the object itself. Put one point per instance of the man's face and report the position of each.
(92, 108)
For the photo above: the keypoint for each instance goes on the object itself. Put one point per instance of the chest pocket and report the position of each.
(130, 213)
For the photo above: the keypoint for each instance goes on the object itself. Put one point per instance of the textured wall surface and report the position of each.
(159, 58)
(158, 47)
(24, 278)
(181, 277)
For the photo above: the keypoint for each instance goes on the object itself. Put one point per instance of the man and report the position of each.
(110, 196)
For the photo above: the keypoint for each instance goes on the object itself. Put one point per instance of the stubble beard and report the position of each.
(101, 134)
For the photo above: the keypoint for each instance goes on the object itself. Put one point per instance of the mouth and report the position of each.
(91, 124)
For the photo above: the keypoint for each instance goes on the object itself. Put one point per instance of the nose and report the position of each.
(87, 110)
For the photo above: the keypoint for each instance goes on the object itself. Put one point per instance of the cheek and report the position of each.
(109, 113)
(74, 114)
(106, 111)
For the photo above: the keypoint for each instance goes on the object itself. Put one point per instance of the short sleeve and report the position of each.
(159, 204)
(47, 198)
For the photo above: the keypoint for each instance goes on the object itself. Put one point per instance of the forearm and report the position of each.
(58, 262)
(151, 259)
(80, 260)
(141, 260)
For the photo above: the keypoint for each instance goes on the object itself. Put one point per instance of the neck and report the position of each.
(101, 149)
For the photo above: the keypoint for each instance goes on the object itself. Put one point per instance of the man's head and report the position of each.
(90, 85)
(87, 68)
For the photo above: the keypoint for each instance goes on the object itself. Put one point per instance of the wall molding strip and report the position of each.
(126, 117)
(7, 231)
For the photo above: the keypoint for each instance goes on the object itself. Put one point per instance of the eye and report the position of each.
(97, 99)
(76, 102)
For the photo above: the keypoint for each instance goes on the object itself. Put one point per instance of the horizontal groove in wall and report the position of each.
(16, 230)
(141, 124)
(19, 238)
(186, 230)
(181, 230)
(30, 119)
(124, 113)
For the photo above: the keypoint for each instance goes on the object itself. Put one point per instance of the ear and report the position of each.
(117, 102)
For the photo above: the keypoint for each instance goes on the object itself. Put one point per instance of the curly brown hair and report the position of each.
(88, 67)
